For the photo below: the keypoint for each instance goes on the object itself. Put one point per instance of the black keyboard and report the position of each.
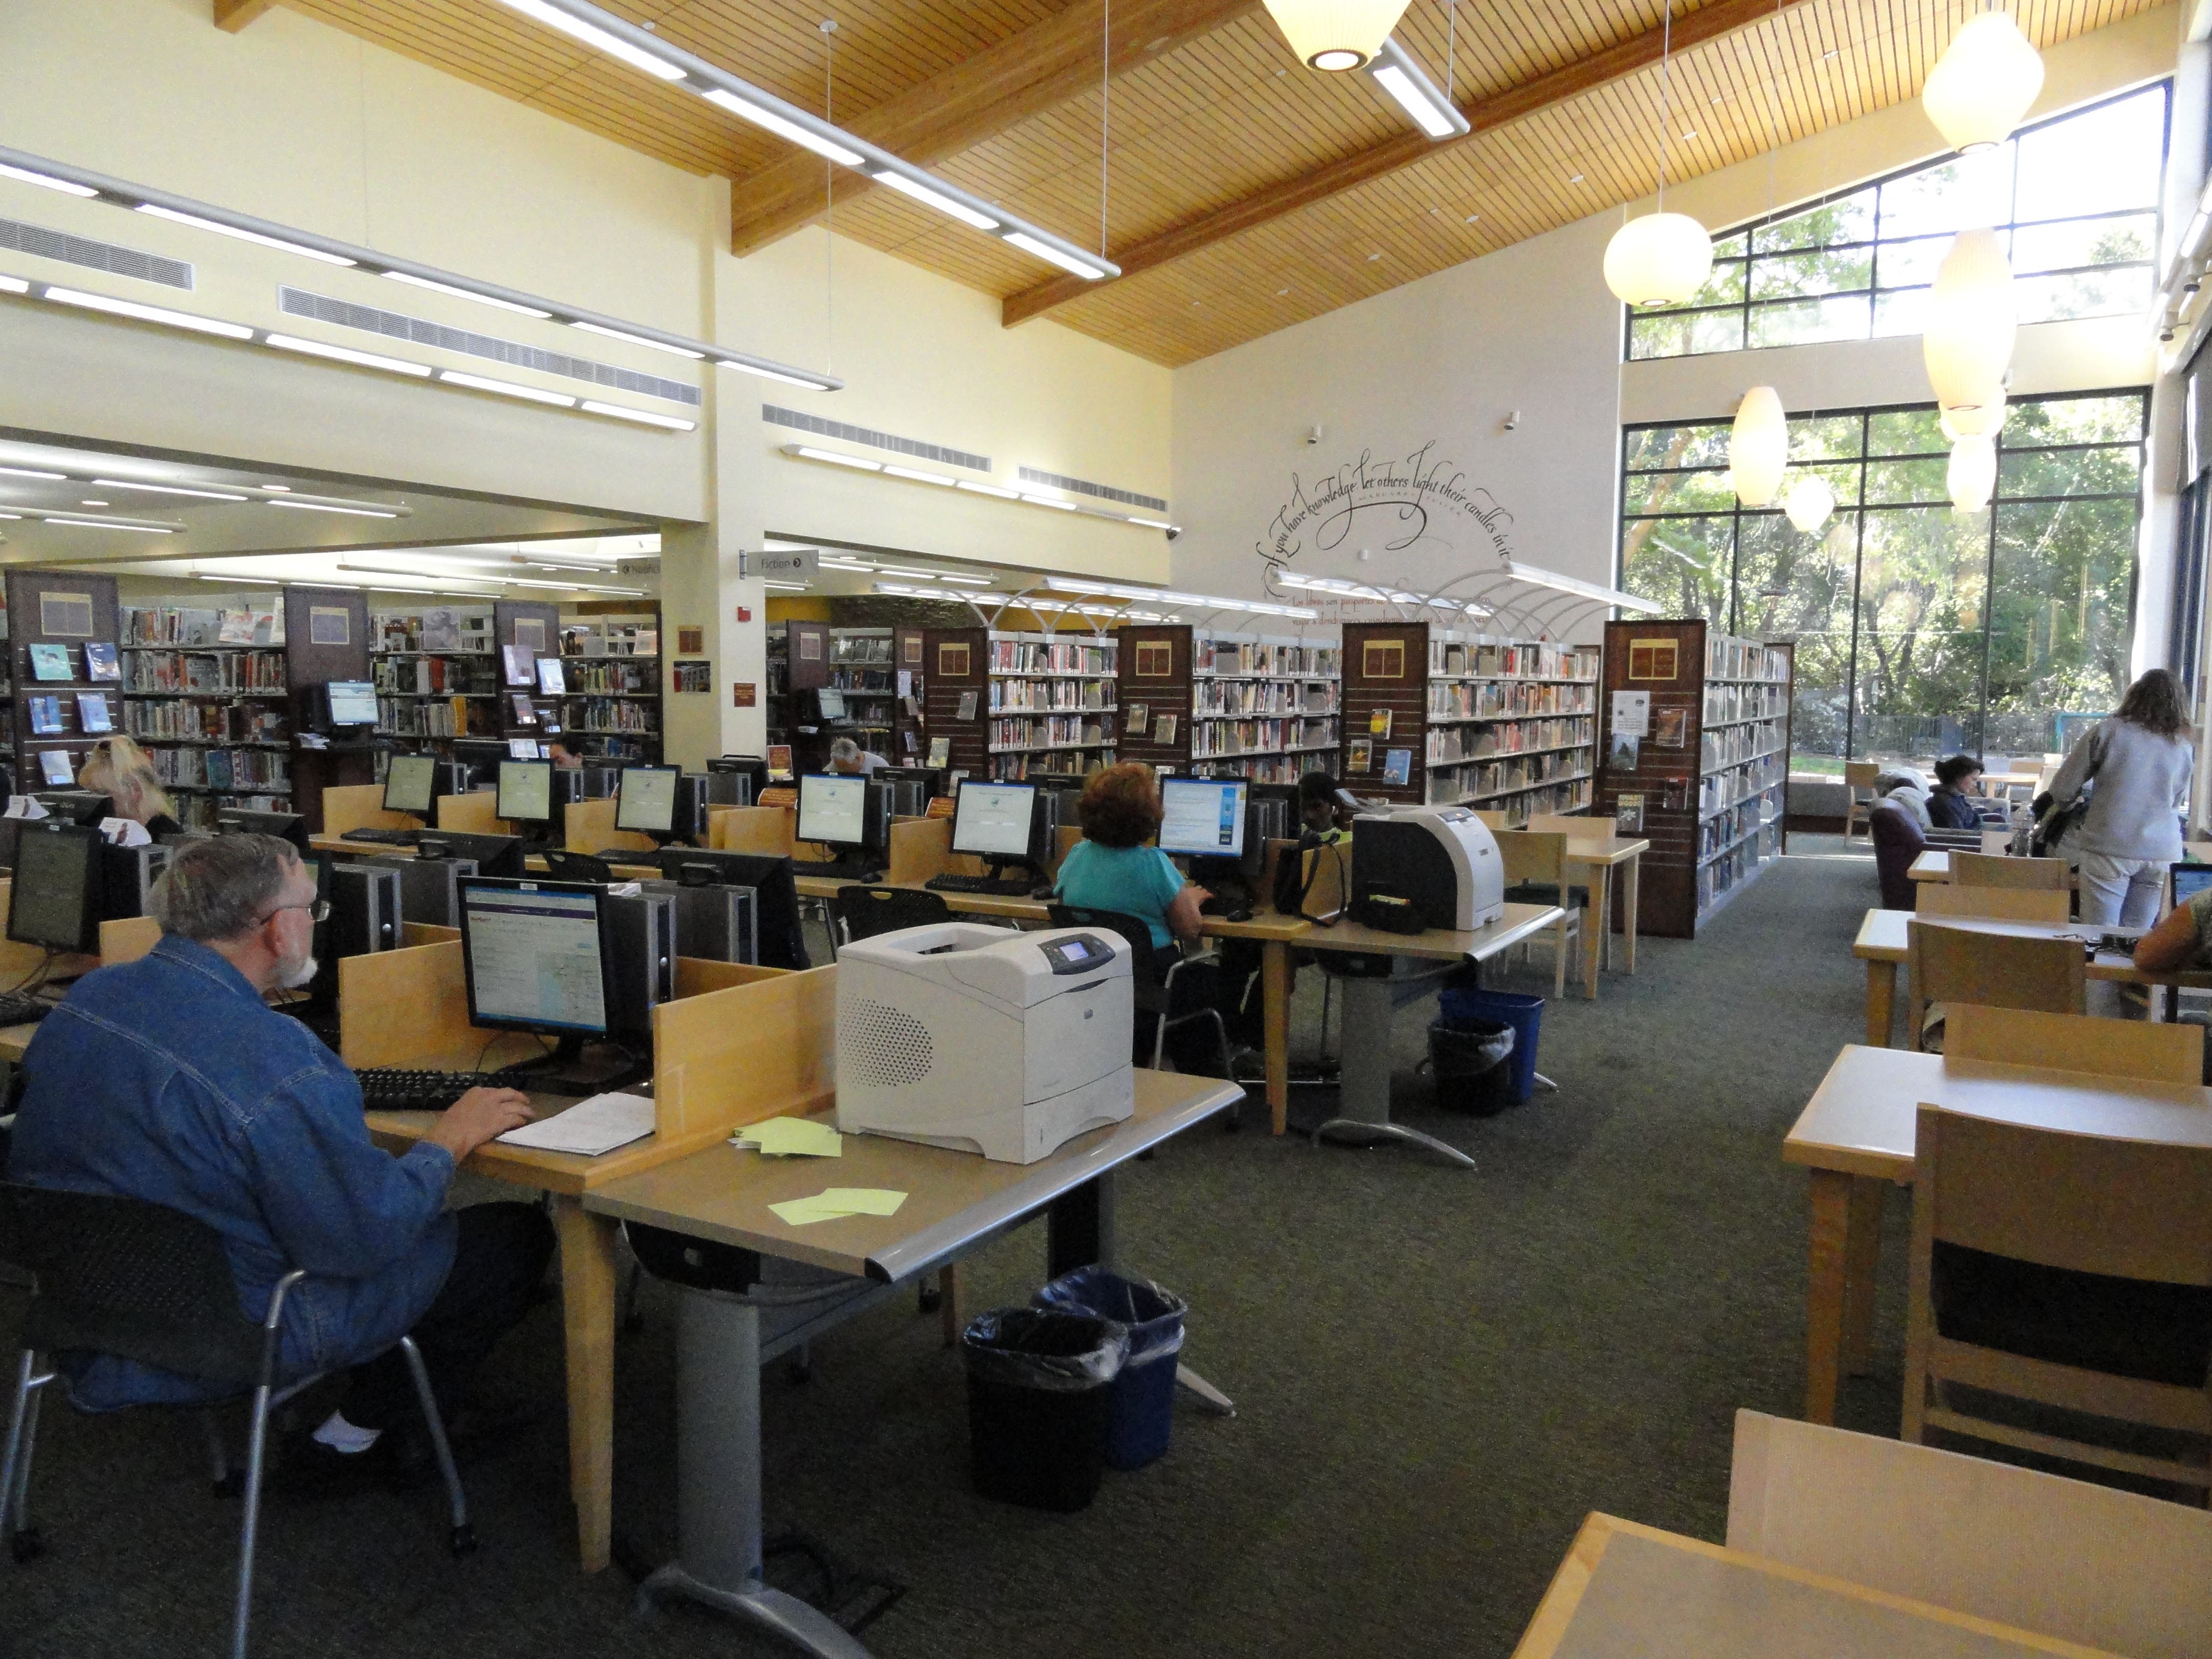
(383, 837)
(398, 1088)
(983, 886)
(624, 855)
(22, 1011)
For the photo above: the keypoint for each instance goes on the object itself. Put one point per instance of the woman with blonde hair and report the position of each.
(121, 770)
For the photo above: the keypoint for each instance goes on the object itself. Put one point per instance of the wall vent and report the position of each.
(95, 255)
(1084, 487)
(860, 435)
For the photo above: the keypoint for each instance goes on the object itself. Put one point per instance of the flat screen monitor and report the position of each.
(2190, 878)
(993, 820)
(1202, 817)
(833, 811)
(285, 826)
(831, 703)
(526, 791)
(86, 807)
(410, 783)
(535, 957)
(495, 855)
(782, 940)
(57, 896)
(931, 778)
(646, 802)
(351, 702)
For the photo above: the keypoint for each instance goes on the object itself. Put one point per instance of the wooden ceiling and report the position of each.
(1253, 193)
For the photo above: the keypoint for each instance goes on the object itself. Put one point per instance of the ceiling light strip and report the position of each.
(864, 463)
(1170, 596)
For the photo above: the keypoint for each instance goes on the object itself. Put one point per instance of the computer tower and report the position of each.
(640, 943)
(691, 803)
(366, 911)
(127, 879)
(427, 893)
(600, 782)
(727, 788)
(715, 924)
(909, 799)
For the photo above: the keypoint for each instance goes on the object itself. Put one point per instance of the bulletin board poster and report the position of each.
(1653, 660)
(1632, 713)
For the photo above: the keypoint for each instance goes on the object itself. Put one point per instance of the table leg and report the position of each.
(587, 1308)
(1880, 1002)
(1078, 1227)
(1594, 946)
(1632, 881)
(1862, 1256)
(1825, 1286)
(1275, 1024)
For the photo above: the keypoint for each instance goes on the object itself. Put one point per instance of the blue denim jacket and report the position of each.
(168, 1079)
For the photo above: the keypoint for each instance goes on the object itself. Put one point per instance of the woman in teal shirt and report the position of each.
(1111, 868)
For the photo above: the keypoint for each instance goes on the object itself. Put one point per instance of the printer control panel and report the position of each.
(1077, 953)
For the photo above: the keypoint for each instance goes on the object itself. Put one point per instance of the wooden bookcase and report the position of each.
(67, 611)
(1265, 708)
(611, 709)
(437, 674)
(326, 638)
(1154, 661)
(1710, 772)
(1044, 705)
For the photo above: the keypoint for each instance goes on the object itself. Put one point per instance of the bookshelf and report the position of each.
(1440, 717)
(524, 630)
(1709, 775)
(212, 710)
(1016, 706)
(437, 677)
(612, 707)
(62, 613)
(1229, 706)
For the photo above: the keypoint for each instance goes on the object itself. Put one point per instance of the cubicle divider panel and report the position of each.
(475, 813)
(409, 1007)
(127, 938)
(921, 848)
(697, 975)
(763, 829)
(589, 825)
(427, 933)
(735, 1057)
(359, 806)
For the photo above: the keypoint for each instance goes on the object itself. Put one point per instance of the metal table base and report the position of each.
(1364, 1102)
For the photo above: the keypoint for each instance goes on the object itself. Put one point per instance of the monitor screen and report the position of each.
(833, 704)
(55, 891)
(533, 956)
(645, 803)
(353, 702)
(409, 784)
(526, 791)
(2188, 880)
(1202, 817)
(992, 820)
(832, 809)
(285, 826)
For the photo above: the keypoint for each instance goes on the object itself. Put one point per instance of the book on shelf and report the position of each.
(92, 712)
(551, 682)
(969, 701)
(1164, 729)
(940, 751)
(778, 759)
(51, 662)
(1359, 755)
(1398, 767)
(1139, 718)
(54, 767)
(1378, 724)
(526, 712)
(100, 661)
(45, 716)
(519, 658)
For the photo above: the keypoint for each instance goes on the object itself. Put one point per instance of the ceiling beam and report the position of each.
(235, 14)
(1624, 57)
(1038, 70)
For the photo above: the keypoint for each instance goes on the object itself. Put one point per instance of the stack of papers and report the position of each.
(790, 1137)
(590, 1127)
(835, 1201)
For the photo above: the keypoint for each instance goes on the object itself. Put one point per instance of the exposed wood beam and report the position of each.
(235, 14)
(1708, 22)
(1041, 68)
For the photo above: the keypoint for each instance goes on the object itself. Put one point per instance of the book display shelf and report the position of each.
(1015, 706)
(64, 671)
(1229, 706)
(609, 708)
(877, 671)
(437, 677)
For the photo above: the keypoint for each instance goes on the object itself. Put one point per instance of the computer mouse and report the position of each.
(1043, 895)
(1238, 915)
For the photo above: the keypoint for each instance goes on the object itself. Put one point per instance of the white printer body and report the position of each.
(1444, 859)
(983, 1040)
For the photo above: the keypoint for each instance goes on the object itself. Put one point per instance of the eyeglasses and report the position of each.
(318, 911)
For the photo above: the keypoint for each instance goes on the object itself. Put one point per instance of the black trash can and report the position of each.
(1041, 1404)
(1467, 1055)
(1144, 1391)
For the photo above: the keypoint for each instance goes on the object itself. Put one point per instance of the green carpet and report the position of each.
(1438, 1374)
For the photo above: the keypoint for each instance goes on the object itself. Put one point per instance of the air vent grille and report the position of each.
(860, 435)
(890, 1048)
(1084, 487)
(95, 255)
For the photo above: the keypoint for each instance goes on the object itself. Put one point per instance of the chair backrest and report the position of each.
(1491, 818)
(1947, 898)
(1860, 775)
(1144, 965)
(1569, 823)
(865, 912)
(127, 1277)
(576, 866)
(1982, 869)
(2074, 1042)
(1534, 855)
(1998, 971)
(2110, 1570)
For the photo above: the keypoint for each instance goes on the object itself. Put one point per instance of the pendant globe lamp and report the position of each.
(1807, 503)
(1973, 318)
(1983, 420)
(1971, 476)
(1336, 34)
(1661, 258)
(1758, 447)
(1982, 83)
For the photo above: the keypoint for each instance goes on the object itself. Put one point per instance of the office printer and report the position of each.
(1441, 859)
(983, 1040)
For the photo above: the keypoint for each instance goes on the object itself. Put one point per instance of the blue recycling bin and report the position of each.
(1144, 1390)
(1523, 1013)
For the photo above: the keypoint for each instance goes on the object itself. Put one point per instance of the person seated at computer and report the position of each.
(170, 1079)
(1952, 804)
(1111, 868)
(846, 756)
(119, 769)
(1319, 809)
(559, 754)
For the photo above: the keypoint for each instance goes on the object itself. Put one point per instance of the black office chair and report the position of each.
(862, 912)
(576, 866)
(142, 1281)
(1154, 990)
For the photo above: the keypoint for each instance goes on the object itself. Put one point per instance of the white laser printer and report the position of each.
(1440, 860)
(982, 1040)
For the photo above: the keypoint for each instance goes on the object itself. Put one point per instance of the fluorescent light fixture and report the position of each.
(1051, 255)
(281, 247)
(1552, 579)
(574, 587)
(346, 355)
(170, 490)
(642, 416)
(131, 309)
(918, 575)
(13, 285)
(30, 177)
(778, 374)
(106, 524)
(597, 39)
(929, 198)
(1049, 500)
(413, 281)
(508, 388)
(639, 340)
(1401, 75)
(794, 587)
(326, 506)
(919, 477)
(844, 564)
(278, 489)
(17, 517)
(861, 462)
(999, 491)
(29, 472)
(805, 137)
(968, 582)
(1150, 524)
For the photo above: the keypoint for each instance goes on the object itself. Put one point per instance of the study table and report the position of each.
(1600, 855)
(1856, 1136)
(1934, 864)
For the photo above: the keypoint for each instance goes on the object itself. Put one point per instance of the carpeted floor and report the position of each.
(1438, 1374)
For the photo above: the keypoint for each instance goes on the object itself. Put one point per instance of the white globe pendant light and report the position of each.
(1985, 419)
(1972, 476)
(1982, 83)
(1807, 503)
(1971, 319)
(1660, 259)
(1759, 447)
(1336, 34)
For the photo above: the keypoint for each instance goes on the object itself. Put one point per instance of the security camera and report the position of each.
(1174, 531)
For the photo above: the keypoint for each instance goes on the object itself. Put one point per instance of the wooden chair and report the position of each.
(1532, 858)
(2075, 1042)
(1493, 820)
(1858, 775)
(1945, 898)
(1982, 869)
(1569, 823)
(1997, 970)
(2008, 1222)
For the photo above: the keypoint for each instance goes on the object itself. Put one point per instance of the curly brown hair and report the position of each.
(1121, 806)
(2154, 702)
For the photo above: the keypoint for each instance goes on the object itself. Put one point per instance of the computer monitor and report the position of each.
(285, 826)
(994, 820)
(535, 957)
(644, 804)
(350, 702)
(57, 893)
(526, 791)
(410, 784)
(831, 703)
(832, 809)
(931, 778)
(1202, 817)
(2190, 878)
(86, 807)
(495, 855)
(782, 941)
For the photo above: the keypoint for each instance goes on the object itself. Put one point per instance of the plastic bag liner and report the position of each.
(1152, 1313)
(1524, 1014)
(1046, 1350)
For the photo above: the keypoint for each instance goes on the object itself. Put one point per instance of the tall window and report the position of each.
(2076, 200)
(1920, 631)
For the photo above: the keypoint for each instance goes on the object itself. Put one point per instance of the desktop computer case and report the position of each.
(427, 891)
(127, 876)
(715, 924)
(365, 909)
(642, 949)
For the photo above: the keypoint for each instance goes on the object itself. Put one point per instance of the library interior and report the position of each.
(1526, 758)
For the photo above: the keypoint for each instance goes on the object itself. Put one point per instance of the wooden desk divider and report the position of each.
(589, 825)
(475, 813)
(127, 939)
(765, 829)
(361, 807)
(408, 1006)
(427, 933)
(731, 1057)
(1063, 843)
(921, 848)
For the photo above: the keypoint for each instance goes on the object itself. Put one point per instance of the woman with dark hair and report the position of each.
(1111, 868)
(1948, 808)
(2140, 760)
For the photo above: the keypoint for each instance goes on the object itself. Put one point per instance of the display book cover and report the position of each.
(51, 662)
(45, 715)
(54, 766)
(92, 712)
(100, 662)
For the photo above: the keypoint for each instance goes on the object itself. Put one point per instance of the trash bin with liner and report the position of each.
(1144, 1391)
(1467, 1058)
(1040, 1402)
(1525, 1014)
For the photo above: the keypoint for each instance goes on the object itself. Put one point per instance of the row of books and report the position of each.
(860, 681)
(1264, 657)
(1731, 743)
(222, 768)
(158, 721)
(1744, 659)
(613, 714)
(440, 628)
(1026, 656)
(1259, 736)
(1262, 769)
(1503, 699)
(1447, 744)
(171, 624)
(455, 717)
(55, 664)
(1523, 659)
(1049, 730)
(257, 671)
(197, 811)
(1728, 701)
(1718, 876)
(1735, 783)
(1559, 798)
(861, 648)
(87, 713)
(1262, 697)
(611, 674)
(601, 746)
(436, 676)
(1092, 696)
(1062, 762)
(1479, 780)
(1718, 834)
(610, 639)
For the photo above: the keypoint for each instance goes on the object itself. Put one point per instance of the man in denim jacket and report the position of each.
(171, 1078)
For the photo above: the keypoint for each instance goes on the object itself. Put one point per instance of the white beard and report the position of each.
(301, 973)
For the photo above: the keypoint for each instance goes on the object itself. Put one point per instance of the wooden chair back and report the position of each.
(1947, 898)
(2074, 1042)
(1982, 869)
(1579, 825)
(1860, 775)
(1997, 970)
(1534, 855)
(1494, 820)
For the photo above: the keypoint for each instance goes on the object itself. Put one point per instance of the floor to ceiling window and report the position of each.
(1920, 631)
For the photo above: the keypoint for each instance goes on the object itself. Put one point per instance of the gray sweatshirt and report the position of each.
(2142, 788)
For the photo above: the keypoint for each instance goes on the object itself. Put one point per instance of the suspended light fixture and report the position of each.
(1758, 447)
(1662, 258)
(1982, 83)
(1972, 476)
(1809, 503)
(1336, 34)
(1971, 319)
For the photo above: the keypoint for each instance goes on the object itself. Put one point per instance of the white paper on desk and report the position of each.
(124, 832)
(26, 806)
(590, 1127)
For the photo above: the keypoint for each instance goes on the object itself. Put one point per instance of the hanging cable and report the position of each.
(1666, 54)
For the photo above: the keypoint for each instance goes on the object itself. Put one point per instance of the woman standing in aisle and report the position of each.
(2141, 759)
(121, 770)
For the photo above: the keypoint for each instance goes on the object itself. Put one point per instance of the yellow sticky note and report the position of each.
(795, 1137)
(802, 1212)
(864, 1201)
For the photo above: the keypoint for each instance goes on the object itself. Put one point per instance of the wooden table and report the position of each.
(1626, 1591)
(1934, 864)
(1600, 855)
(1856, 1136)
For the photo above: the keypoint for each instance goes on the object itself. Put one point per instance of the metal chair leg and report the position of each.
(463, 1539)
(256, 1448)
(228, 1482)
(15, 1465)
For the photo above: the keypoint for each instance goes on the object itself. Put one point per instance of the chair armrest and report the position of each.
(1168, 979)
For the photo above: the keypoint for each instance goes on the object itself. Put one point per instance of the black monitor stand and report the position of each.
(590, 1064)
(849, 865)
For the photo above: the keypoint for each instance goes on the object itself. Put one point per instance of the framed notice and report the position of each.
(810, 648)
(744, 694)
(952, 662)
(1652, 659)
(65, 616)
(912, 646)
(1155, 659)
(530, 631)
(328, 624)
(690, 641)
(1383, 659)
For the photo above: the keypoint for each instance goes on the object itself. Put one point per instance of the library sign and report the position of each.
(1418, 500)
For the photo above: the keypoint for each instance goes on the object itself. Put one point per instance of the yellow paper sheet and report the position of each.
(865, 1200)
(795, 1137)
(803, 1211)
